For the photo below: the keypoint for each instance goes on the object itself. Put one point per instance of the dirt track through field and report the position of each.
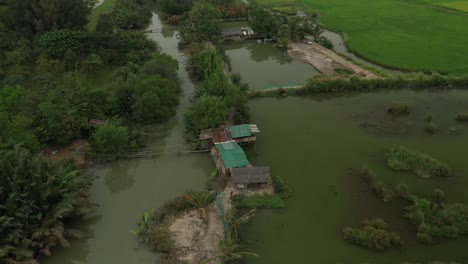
(324, 60)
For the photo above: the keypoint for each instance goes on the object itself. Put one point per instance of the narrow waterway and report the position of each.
(124, 190)
(339, 46)
(317, 144)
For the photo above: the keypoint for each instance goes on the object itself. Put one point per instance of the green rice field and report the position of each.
(413, 35)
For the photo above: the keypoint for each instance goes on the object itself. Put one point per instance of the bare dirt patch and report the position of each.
(70, 151)
(324, 60)
(195, 238)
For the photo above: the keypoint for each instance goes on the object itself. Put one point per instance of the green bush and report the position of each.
(325, 42)
(160, 239)
(399, 109)
(281, 188)
(402, 159)
(373, 234)
(430, 127)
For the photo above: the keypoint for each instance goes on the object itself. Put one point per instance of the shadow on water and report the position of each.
(123, 190)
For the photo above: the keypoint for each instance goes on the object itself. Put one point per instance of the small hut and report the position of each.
(250, 177)
(244, 133)
(229, 155)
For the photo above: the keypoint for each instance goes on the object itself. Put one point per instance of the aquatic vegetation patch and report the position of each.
(437, 219)
(386, 191)
(372, 234)
(403, 159)
(399, 109)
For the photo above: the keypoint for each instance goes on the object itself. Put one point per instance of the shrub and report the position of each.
(281, 188)
(160, 239)
(111, 141)
(402, 159)
(399, 109)
(430, 127)
(462, 117)
(373, 234)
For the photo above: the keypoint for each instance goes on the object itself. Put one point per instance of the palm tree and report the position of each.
(234, 221)
(200, 200)
(35, 196)
(316, 31)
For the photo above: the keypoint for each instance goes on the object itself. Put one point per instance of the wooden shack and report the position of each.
(244, 133)
(250, 177)
(229, 155)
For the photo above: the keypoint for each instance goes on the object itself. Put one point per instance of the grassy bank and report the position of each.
(405, 34)
(105, 8)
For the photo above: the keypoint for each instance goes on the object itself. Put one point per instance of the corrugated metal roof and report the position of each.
(250, 175)
(232, 154)
(240, 131)
(222, 136)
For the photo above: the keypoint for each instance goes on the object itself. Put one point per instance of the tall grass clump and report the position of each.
(403, 159)
(386, 192)
(399, 109)
(372, 234)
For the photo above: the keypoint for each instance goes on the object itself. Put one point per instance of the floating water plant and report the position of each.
(399, 109)
(403, 159)
(373, 234)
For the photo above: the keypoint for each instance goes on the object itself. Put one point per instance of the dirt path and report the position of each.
(325, 60)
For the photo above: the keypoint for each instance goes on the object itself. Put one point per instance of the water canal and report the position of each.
(125, 189)
(318, 143)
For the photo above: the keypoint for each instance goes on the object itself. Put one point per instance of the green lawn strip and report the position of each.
(105, 8)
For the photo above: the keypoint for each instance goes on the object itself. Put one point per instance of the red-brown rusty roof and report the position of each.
(222, 136)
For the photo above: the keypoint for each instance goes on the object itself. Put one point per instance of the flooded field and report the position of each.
(318, 144)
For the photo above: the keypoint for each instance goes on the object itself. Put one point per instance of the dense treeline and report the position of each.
(216, 98)
(54, 78)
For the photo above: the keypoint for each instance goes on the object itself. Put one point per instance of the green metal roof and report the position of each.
(240, 131)
(232, 155)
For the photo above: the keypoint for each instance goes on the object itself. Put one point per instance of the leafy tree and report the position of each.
(71, 60)
(207, 112)
(264, 22)
(130, 14)
(35, 197)
(155, 99)
(17, 130)
(37, 16)
(161, 64)
(92, 63)
(11, 99)
(111, 141)
(202, 23)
